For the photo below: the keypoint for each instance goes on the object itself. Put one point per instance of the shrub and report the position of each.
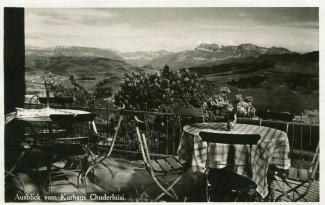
(162, 91)
(80, 95)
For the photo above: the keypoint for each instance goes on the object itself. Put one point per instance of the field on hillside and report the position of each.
(288, 82)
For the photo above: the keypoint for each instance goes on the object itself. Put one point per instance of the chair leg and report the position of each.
(16, 177)
(49, 170)
(145, 194)
(170, 188)
(291, 189)
(207, 189)
(208, 185)
(17, 162)
(11, 171)
(271, 187)
(301, 195)
(95, 163)
(161, 183)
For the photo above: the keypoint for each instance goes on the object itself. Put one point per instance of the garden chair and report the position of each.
(105, 147)
(160, 169)
(221, 182)
(278, 116)
(297, 176)
(68, 140)
(10, 174)
(296, 184)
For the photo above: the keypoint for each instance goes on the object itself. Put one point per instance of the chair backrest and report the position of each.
(230, 138)
(142, 141)
(68, 118)
(88, 117)
(57, 118)
(107, 152)
(72, 126)
(314, 164)
(306, 174)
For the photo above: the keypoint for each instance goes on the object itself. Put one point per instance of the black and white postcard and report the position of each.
(161, 101)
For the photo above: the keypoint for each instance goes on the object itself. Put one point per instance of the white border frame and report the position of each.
(167, 3)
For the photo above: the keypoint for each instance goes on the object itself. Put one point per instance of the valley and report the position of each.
(277, 78)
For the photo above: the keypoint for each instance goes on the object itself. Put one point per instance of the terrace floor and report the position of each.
(125, 182)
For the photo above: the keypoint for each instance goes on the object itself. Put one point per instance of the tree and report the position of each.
(162, 91)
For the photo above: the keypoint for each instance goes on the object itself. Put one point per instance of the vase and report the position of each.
(231, 122)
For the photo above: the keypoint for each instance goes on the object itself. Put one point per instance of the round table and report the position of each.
(272, 148)
(33, 117)
(43, 114)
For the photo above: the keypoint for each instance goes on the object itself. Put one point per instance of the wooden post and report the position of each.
(14, 58)
(14, 78)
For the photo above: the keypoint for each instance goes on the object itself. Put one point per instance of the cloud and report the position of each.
(71, 16)
(172, 29)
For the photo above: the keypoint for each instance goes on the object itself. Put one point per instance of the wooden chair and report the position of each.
(224, 180)
(105, 152)
(297, 181)
(104, 147)
(69, 136)
(278, 116)
(10, 174)
(160, 169)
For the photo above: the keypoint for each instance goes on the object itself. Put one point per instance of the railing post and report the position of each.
(309, 157)
(301, 143)
(167, 137)
(293, 136)
(107, 131)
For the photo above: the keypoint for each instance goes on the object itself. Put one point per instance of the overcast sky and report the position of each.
(172, 29)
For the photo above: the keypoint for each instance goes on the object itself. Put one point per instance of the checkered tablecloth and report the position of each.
(272, 148)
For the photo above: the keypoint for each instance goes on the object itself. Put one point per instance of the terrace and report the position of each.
(127, 177)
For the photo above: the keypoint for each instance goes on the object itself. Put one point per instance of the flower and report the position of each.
(205, 104)
(224, 90)
(239, 98)
(221, 104)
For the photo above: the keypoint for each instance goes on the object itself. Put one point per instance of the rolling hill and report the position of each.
(277, 78)
(88, 68)
(283, 82)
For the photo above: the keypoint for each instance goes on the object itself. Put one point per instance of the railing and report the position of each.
(162, 129)
(163, 132)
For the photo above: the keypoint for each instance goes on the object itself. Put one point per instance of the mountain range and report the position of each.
(72, 51)
(141, 58)
(213, 54)
(276, 77)
(202, 54)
